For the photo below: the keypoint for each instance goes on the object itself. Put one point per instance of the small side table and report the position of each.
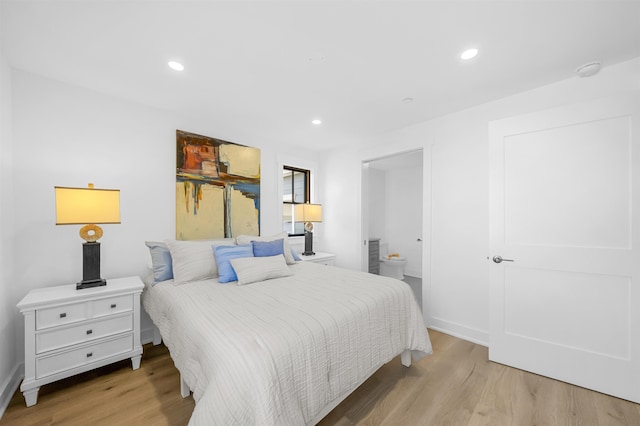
(69, 331)
(321, 258)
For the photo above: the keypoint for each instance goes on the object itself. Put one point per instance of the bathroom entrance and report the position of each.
(392, 214)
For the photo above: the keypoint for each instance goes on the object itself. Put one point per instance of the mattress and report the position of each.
(278, 352)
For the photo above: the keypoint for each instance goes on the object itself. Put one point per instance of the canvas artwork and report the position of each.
(217, 188)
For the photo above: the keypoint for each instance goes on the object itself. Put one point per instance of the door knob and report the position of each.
(499, 259)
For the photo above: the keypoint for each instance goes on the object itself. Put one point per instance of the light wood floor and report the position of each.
(456, 385)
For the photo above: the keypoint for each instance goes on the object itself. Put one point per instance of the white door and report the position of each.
(565, 208)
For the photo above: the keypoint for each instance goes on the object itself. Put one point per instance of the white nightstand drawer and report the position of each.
(62, 361)
(112, 305)
(60, 315)
(85, 332)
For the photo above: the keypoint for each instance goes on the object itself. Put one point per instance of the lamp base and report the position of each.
(90, 283)
(90, 266)
(308, 244)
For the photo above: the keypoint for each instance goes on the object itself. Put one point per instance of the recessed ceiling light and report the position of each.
(468, 54)
(176, 66)
(407, 100)
(316, 122)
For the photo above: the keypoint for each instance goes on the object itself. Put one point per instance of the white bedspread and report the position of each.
(277, 352)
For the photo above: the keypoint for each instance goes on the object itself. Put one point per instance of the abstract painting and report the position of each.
(217, 188)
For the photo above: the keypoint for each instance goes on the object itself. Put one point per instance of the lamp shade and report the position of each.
(307, 212)
(80, 206)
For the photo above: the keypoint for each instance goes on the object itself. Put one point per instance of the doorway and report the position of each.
(392, 205)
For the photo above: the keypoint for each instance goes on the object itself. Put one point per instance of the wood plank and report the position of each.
(111, 395)
(457, 385)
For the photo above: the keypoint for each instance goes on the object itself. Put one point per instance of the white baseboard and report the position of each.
(10, 386)
(413, 273)
(460, 331)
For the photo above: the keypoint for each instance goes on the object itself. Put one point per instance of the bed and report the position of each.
(285, 350)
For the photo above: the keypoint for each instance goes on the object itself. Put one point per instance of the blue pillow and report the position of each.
(224, 254)
(268, 248)
(161, 261)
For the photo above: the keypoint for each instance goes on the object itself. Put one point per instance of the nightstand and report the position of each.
(69, 331)
(319, 257)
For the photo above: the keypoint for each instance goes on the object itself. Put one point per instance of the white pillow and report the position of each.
(253, 269)
(194, 260)
(246, 239)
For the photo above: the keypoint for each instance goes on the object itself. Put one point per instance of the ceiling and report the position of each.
(267, 68)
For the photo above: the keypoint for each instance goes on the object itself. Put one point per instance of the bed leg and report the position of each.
(405, 358)
(184, 388)
(157, 338)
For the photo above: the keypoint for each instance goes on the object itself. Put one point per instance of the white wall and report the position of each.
(69, 136)
(456, 195)
(8, 312)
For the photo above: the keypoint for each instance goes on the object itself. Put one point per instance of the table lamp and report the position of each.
(88, 207)
(308, 213)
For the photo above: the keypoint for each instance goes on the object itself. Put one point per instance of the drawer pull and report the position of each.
(63, 315)
(113, 305)
(90, 354)
(89, 331)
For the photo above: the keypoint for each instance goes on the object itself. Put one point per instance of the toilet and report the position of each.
(391, 267)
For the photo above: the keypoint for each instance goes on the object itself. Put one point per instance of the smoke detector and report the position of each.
(587, 70)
